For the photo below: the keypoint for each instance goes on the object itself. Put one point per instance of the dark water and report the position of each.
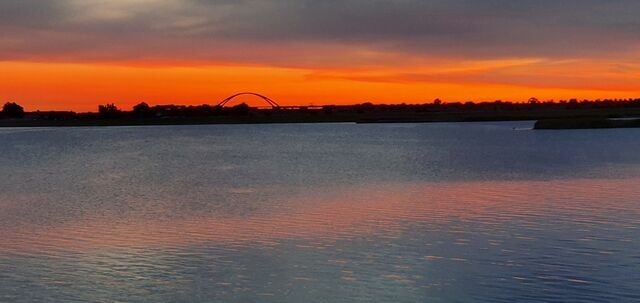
(320, 213)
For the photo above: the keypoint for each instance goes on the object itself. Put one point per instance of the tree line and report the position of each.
(144, 110)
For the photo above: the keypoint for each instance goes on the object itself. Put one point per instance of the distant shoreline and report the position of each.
(556, 123)
(549, 115)
(586, 123)
(234, 121)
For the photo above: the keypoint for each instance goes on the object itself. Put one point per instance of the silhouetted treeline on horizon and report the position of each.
(436, 111)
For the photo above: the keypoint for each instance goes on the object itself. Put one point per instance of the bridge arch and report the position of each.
(269, 101)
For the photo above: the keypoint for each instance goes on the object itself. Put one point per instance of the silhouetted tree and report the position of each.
(241, 109)
(365, 107)
(12, 110)
(437, 101)
(217, 110)
(142, 110)
(109, 111)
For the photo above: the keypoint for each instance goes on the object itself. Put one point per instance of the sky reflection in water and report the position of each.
(128, 214)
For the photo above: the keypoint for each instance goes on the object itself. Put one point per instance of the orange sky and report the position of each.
(82, 86)
(76, 54)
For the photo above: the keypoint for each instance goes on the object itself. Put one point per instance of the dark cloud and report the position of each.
(210, 30)
(28, 14)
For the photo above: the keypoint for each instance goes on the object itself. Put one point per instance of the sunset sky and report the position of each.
(76, 54)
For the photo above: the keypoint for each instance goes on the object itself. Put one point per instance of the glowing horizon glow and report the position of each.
(82, 86)
(75, 55)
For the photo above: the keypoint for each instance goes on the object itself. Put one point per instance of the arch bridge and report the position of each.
(268, 100)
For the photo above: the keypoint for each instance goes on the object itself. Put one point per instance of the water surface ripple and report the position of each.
(468, 212)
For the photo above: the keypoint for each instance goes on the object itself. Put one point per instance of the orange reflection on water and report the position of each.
(385, 210)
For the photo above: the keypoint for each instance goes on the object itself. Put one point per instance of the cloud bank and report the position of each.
(314, 32)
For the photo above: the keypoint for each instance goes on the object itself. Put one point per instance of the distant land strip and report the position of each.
(563, 115)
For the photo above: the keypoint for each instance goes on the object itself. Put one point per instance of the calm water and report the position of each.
(320, 213)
